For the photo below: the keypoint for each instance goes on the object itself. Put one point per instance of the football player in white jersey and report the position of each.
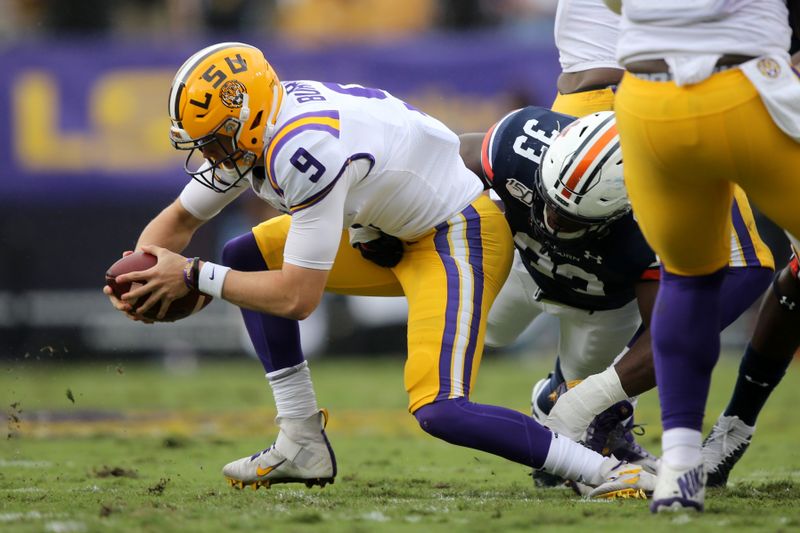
(709, 100)
(766, 358)
(333, 157)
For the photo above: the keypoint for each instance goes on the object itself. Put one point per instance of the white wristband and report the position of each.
(211, 278)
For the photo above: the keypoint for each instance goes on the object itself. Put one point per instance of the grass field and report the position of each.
(130, 447)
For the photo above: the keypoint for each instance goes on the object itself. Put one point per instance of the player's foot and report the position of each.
(536, 410)
(724, 446)
(679, 489)
(542, 402)
(623, 480)
(300, 454)
(611, 433)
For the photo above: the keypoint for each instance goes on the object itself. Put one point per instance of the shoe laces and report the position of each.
(725, 435)
(607, 428)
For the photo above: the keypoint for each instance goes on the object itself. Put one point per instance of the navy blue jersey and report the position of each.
(599, 274)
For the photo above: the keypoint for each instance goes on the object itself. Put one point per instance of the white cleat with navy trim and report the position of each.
(300, 454)
(724, 446)
(679, 489)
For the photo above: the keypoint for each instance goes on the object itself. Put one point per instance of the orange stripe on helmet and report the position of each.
(486, 161)
(588, 159)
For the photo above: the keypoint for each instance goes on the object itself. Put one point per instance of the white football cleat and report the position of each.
(679, 489)
(300, 454)
(724, 446)
(623, 480)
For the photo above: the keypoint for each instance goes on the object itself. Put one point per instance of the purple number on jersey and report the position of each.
(303, 161)
(356, 90)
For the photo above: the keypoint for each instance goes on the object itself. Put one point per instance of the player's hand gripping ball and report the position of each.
(187, 305)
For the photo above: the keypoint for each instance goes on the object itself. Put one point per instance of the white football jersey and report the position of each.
(586, 33)
(345, 155)
(416, 178)
(697, 28)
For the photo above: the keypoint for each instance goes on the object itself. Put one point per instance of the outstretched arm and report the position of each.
(631, 375)
(635, 369)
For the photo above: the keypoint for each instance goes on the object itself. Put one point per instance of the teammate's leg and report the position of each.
(684, 211)
(450, 279)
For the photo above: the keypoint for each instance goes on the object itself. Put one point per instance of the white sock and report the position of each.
(575, 409)
(293, 391)
(570, 460)
(681, 447)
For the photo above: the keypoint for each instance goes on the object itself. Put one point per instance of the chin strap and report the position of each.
(277, 100)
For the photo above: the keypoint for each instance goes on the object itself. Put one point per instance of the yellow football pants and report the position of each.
(450, 277)
(684, 149)
(584, 103)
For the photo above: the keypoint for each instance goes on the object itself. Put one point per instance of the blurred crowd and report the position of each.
(308, 21)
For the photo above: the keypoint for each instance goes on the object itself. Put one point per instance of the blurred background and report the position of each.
(86, 162)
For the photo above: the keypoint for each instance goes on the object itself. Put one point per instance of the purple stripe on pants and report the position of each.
(740, 227)
(475, 244)
(451, 311)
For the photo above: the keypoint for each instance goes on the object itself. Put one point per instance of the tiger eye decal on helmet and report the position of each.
(218, 94)
(232, 93)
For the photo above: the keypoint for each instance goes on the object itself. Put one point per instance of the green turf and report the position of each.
(149, 458)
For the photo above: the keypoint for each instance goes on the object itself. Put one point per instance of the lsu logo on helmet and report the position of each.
(226, 95)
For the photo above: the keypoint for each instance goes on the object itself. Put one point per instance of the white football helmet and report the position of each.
(579, 181)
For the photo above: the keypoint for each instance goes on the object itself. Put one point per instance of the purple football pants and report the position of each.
(275, 339)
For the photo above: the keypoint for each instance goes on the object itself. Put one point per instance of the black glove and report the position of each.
(385, 251)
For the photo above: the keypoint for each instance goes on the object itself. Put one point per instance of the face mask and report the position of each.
(561, 234)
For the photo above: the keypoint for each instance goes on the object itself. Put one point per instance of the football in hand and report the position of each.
(187, 305)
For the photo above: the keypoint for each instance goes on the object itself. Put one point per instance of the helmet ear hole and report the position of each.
(256, 121)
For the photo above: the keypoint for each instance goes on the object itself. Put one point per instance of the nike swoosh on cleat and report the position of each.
(264, 471)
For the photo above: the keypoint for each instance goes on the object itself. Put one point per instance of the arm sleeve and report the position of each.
(204, 203)
(316, 231)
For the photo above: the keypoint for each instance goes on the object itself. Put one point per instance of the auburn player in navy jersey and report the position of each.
(580, 255)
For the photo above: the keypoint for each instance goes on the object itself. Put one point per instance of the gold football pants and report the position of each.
(685, 148)
(584, 103)
(450, 277)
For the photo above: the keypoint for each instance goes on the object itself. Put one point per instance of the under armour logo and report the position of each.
(597, 258)
(786, 302)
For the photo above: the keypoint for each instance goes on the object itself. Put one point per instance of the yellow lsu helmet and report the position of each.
(226, 95)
